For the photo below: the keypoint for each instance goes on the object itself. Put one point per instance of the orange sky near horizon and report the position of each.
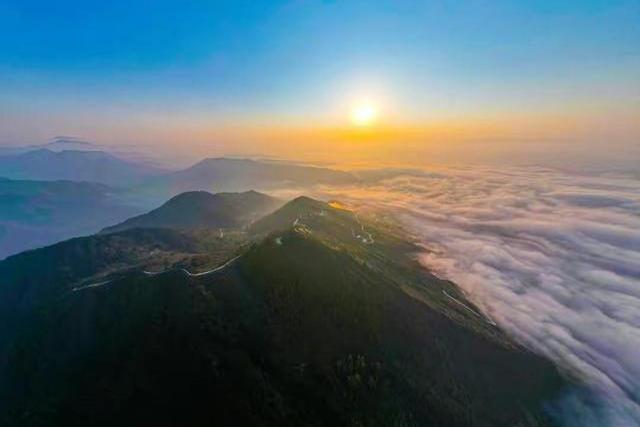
(382, 141)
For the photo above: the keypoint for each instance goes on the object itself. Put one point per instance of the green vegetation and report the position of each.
(202, 209)
(325, 319)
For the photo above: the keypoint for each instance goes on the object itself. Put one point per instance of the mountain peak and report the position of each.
(304, 199)
(202, 209)
(69, 163)
(191, 195)
(209, 161)
(235, 174)
(61, 139)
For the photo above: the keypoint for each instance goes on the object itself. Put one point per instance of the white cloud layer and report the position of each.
(553, 258)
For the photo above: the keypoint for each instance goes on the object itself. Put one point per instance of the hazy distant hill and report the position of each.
(64, 143)
(58, 143)
(225, 174)
(202, 209)
(311, 317)
(73, 165)
(38, 213)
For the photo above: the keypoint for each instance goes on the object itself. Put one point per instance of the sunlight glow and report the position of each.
(364, 114)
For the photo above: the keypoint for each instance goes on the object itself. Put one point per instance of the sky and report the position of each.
(447, 78)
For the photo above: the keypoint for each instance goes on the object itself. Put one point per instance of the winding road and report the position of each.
(156, 273)
(93, 285)
(297, 224)
(190, 274)
(486, 319)
(368, 240)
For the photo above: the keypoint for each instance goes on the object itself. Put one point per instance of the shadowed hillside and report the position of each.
(314, 316)
(202, 209)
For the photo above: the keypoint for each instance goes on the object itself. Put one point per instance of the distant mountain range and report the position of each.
(216, 174)
(38, 213)
(226, 174)
(245, 172)
(58, 143)
(66, 143)
(139, 188)
(91, 166)
(309, 316)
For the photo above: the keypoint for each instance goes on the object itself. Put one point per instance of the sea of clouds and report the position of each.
(552, 257)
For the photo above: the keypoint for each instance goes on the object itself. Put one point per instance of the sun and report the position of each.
(364, 114)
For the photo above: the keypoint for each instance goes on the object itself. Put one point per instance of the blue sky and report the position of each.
(134, 64)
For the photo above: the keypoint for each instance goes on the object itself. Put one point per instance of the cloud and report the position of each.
(553, 258)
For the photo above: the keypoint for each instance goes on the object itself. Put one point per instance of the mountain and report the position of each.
(226, 174)
(210, 173)
(200, 209)
(38, 213)
(65, 143)
(73, 165)
(311, 316)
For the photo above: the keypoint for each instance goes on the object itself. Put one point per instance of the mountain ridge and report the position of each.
(231, 174)
(195, 209)
(298, 321)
